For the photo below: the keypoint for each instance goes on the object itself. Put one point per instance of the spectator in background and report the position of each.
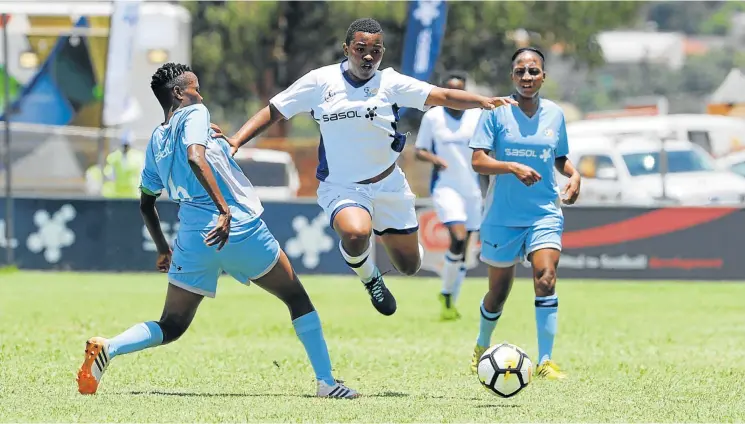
(122, 170)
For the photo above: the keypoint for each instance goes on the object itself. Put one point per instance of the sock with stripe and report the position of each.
(308, 330)
(139, 337)
(362, 264)
(450, 271)
(546, 311)
(486, 326)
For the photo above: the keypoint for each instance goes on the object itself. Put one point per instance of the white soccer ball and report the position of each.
(505, 369)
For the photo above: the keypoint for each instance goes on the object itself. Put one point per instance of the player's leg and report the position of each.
(396, 222)
(255, 255)
(502, 248)
(452, 270)
(178, 312)
(192, 275)
(451, 211)
(349, 211)
(544, 245)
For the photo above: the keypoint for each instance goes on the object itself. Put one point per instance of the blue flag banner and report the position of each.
(425, 29)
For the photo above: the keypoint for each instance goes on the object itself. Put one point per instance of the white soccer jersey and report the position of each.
(357, 120)
(448, 138)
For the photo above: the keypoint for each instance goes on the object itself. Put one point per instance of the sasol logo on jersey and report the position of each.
(523, 153)
(350, 114)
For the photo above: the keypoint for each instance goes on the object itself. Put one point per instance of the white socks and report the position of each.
(362, 264)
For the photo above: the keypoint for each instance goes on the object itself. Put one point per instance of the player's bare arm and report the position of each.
(256, 125)
(427, 156)
(152, 222)
(571, 190)
(462, 100)
(487, 165)
(202, 170)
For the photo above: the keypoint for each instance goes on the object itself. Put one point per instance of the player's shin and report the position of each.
(459, 282)
(141, 336)
(546, 311)
(309, 331)
(450, 271)
(486, 327)
(362, 265)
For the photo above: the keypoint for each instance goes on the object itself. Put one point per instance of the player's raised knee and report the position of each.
(173, 328)
(545, 281)
(355, 237)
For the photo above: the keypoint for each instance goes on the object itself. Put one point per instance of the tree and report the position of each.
(245, 52)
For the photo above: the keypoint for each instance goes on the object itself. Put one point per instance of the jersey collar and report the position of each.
(344, 66)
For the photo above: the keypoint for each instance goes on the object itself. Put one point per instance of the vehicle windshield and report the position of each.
(265, 174)
(647, 163)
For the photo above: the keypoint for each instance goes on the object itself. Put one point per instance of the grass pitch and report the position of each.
(649, 352)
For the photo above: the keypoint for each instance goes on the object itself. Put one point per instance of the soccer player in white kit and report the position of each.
(442, 140)
(361, 188)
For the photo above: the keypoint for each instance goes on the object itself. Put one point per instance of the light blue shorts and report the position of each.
(503, 247)
(250, 253)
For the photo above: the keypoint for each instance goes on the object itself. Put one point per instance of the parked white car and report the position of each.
(272, 172)
(630, 171)
(734, 162)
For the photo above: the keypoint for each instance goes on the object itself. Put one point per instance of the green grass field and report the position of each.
(635, 352)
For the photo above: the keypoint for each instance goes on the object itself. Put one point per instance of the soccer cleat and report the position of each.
(380, 296)
(477, 352)
(338, 390)
(448, 311)
(548, 369)
(95, 364)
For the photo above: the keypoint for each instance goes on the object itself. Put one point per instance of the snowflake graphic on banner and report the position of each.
(3, 237)
(310, 240)
(52, 234)
(427, 11)
(170, 231)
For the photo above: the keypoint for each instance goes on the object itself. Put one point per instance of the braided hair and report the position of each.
(165, 78)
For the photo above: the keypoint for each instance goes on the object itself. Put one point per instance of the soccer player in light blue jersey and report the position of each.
(220, 230)
(518, 147)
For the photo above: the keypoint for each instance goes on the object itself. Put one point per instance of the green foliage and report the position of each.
(246, 51)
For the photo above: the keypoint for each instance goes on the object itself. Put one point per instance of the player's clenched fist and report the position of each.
(525, 174)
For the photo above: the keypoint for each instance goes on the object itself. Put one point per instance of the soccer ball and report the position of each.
(505, 369)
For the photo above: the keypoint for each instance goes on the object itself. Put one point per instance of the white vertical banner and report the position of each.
(119, 105)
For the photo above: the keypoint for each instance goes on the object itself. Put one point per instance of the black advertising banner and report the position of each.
(599, 243)
(620, 243)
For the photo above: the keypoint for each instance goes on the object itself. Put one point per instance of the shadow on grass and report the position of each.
(193, 394)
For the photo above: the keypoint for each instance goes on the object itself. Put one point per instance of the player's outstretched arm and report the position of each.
(202, 170)
(256, 125)
(152, 223)
(462, 100)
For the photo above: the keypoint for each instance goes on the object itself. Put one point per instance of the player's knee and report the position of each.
(545, 281)
(409, 266)
(298, 302)
(172, 327)
(458, 245)
(355, 239)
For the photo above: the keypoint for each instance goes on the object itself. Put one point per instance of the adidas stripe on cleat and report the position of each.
(95, 364)
(338, 391)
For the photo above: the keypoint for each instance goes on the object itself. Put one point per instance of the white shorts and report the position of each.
(452, 207)
(390, 202)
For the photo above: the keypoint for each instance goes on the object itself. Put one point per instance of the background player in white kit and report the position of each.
(443, 141)
(362, 189)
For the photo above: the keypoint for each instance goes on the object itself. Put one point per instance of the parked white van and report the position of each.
(718, 135)
(630, 170)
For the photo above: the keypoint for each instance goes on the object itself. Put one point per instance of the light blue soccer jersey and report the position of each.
(167, 167)
(511, 136)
